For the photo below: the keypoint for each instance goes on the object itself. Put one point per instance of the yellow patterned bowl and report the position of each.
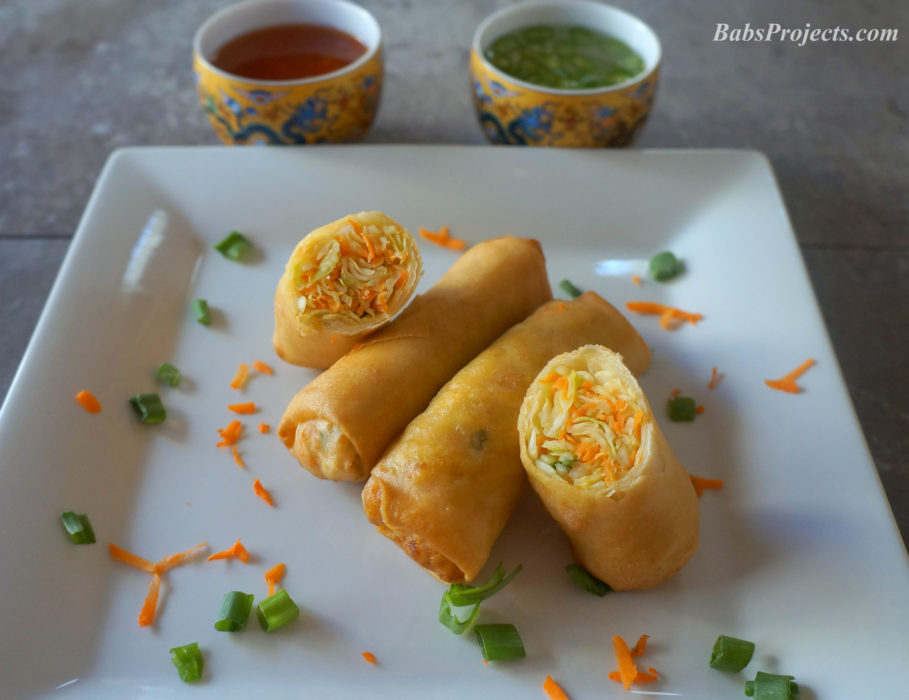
(512, 111)
(337, 106)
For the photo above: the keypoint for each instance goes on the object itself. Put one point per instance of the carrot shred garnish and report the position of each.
(701, 484)
(553, 690)
(235, 551)
(274, 576)
(264, 427)
(640, 646)
(262, 493)
(370, 657)
(699, 409)
(237, 458)
(248, 407)
(675, 392)
(262, 367)
(147, 613)
(670, 317)
(715, 378)
(787, 382)
(239, 380)
(627, 670)
(636, 279)
(130, 558)
(87, 400)
(443, 238)
(230, 433)
(172, 560)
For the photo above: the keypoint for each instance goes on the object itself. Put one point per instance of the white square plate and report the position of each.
(799, 552)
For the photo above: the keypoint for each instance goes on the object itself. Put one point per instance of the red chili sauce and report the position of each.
(288, 52)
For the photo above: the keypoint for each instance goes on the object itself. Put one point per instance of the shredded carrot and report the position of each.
(333, 338)
(239, 380)
(675, 392)
(262, 493)
(553, 690)
(670, 317)
(172, 560)
(248, 407)
(274, 576)
(627, 669)
(701, 484)
(640, 646)
(237, 458)
(262, 367)
(715, 378)
(87, 400)
(787, 382)
(562, 306)
(370, 657)
(639, 677)
(147, 613)
(236, 551)
(443, 238)
(264, 427)
(230, 433)
(699, 409)
(130, 558)
(636, 279)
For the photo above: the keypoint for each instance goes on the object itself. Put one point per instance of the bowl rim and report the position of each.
(213, 19)
(561, 5)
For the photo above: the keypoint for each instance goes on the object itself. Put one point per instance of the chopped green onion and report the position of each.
(168, 374)
(463, 594)
(771, 686)
(682, 409)
(570, 289)
(664, 266)
(188, 660)
(587, 581)
(234, 611)
(235, 246)
(200, 309)
(79, 529)
(277, 610)
(731, 654)
(149, 408)
(500, 642)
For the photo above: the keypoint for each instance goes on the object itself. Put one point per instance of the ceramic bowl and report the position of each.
(512, 111)
(334, 107)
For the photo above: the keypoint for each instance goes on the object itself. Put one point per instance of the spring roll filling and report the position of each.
(587, 429)
(353, 275)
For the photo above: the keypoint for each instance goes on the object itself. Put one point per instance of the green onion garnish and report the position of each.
(168, 374)
(235, 246)
(234, 611)
(79, 529)
(200, 309)
(731, 654)
(276, 610)
(462, 594)
(664, 266)
(570, 289)
(771, 686)
(587, 581)
(149, 408)
(682, 409)
(500, 642)
(188, 660)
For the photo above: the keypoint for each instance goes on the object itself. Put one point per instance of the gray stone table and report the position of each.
(84, 77)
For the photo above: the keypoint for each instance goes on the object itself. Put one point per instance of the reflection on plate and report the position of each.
(799, 552)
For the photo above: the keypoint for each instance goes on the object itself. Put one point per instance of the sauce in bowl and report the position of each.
(567, 57)
(288, 52)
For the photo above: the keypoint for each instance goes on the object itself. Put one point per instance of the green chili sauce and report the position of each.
(565, 57)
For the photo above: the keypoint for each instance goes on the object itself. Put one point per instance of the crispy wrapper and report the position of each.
(342, 421)
(632, 528)
(372, 267)
(445, 489)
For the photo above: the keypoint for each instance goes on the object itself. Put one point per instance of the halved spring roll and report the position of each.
(445, 489)
(599, 462)
(341, 282)
(341, 422)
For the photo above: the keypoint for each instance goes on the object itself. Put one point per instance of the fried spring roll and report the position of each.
(342, 281)
(339, 424)
(446, 487)
(599, 462)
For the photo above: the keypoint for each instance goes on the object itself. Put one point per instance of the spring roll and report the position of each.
(599, 462)
(342, 281)
(341, 422)
(445, 489)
